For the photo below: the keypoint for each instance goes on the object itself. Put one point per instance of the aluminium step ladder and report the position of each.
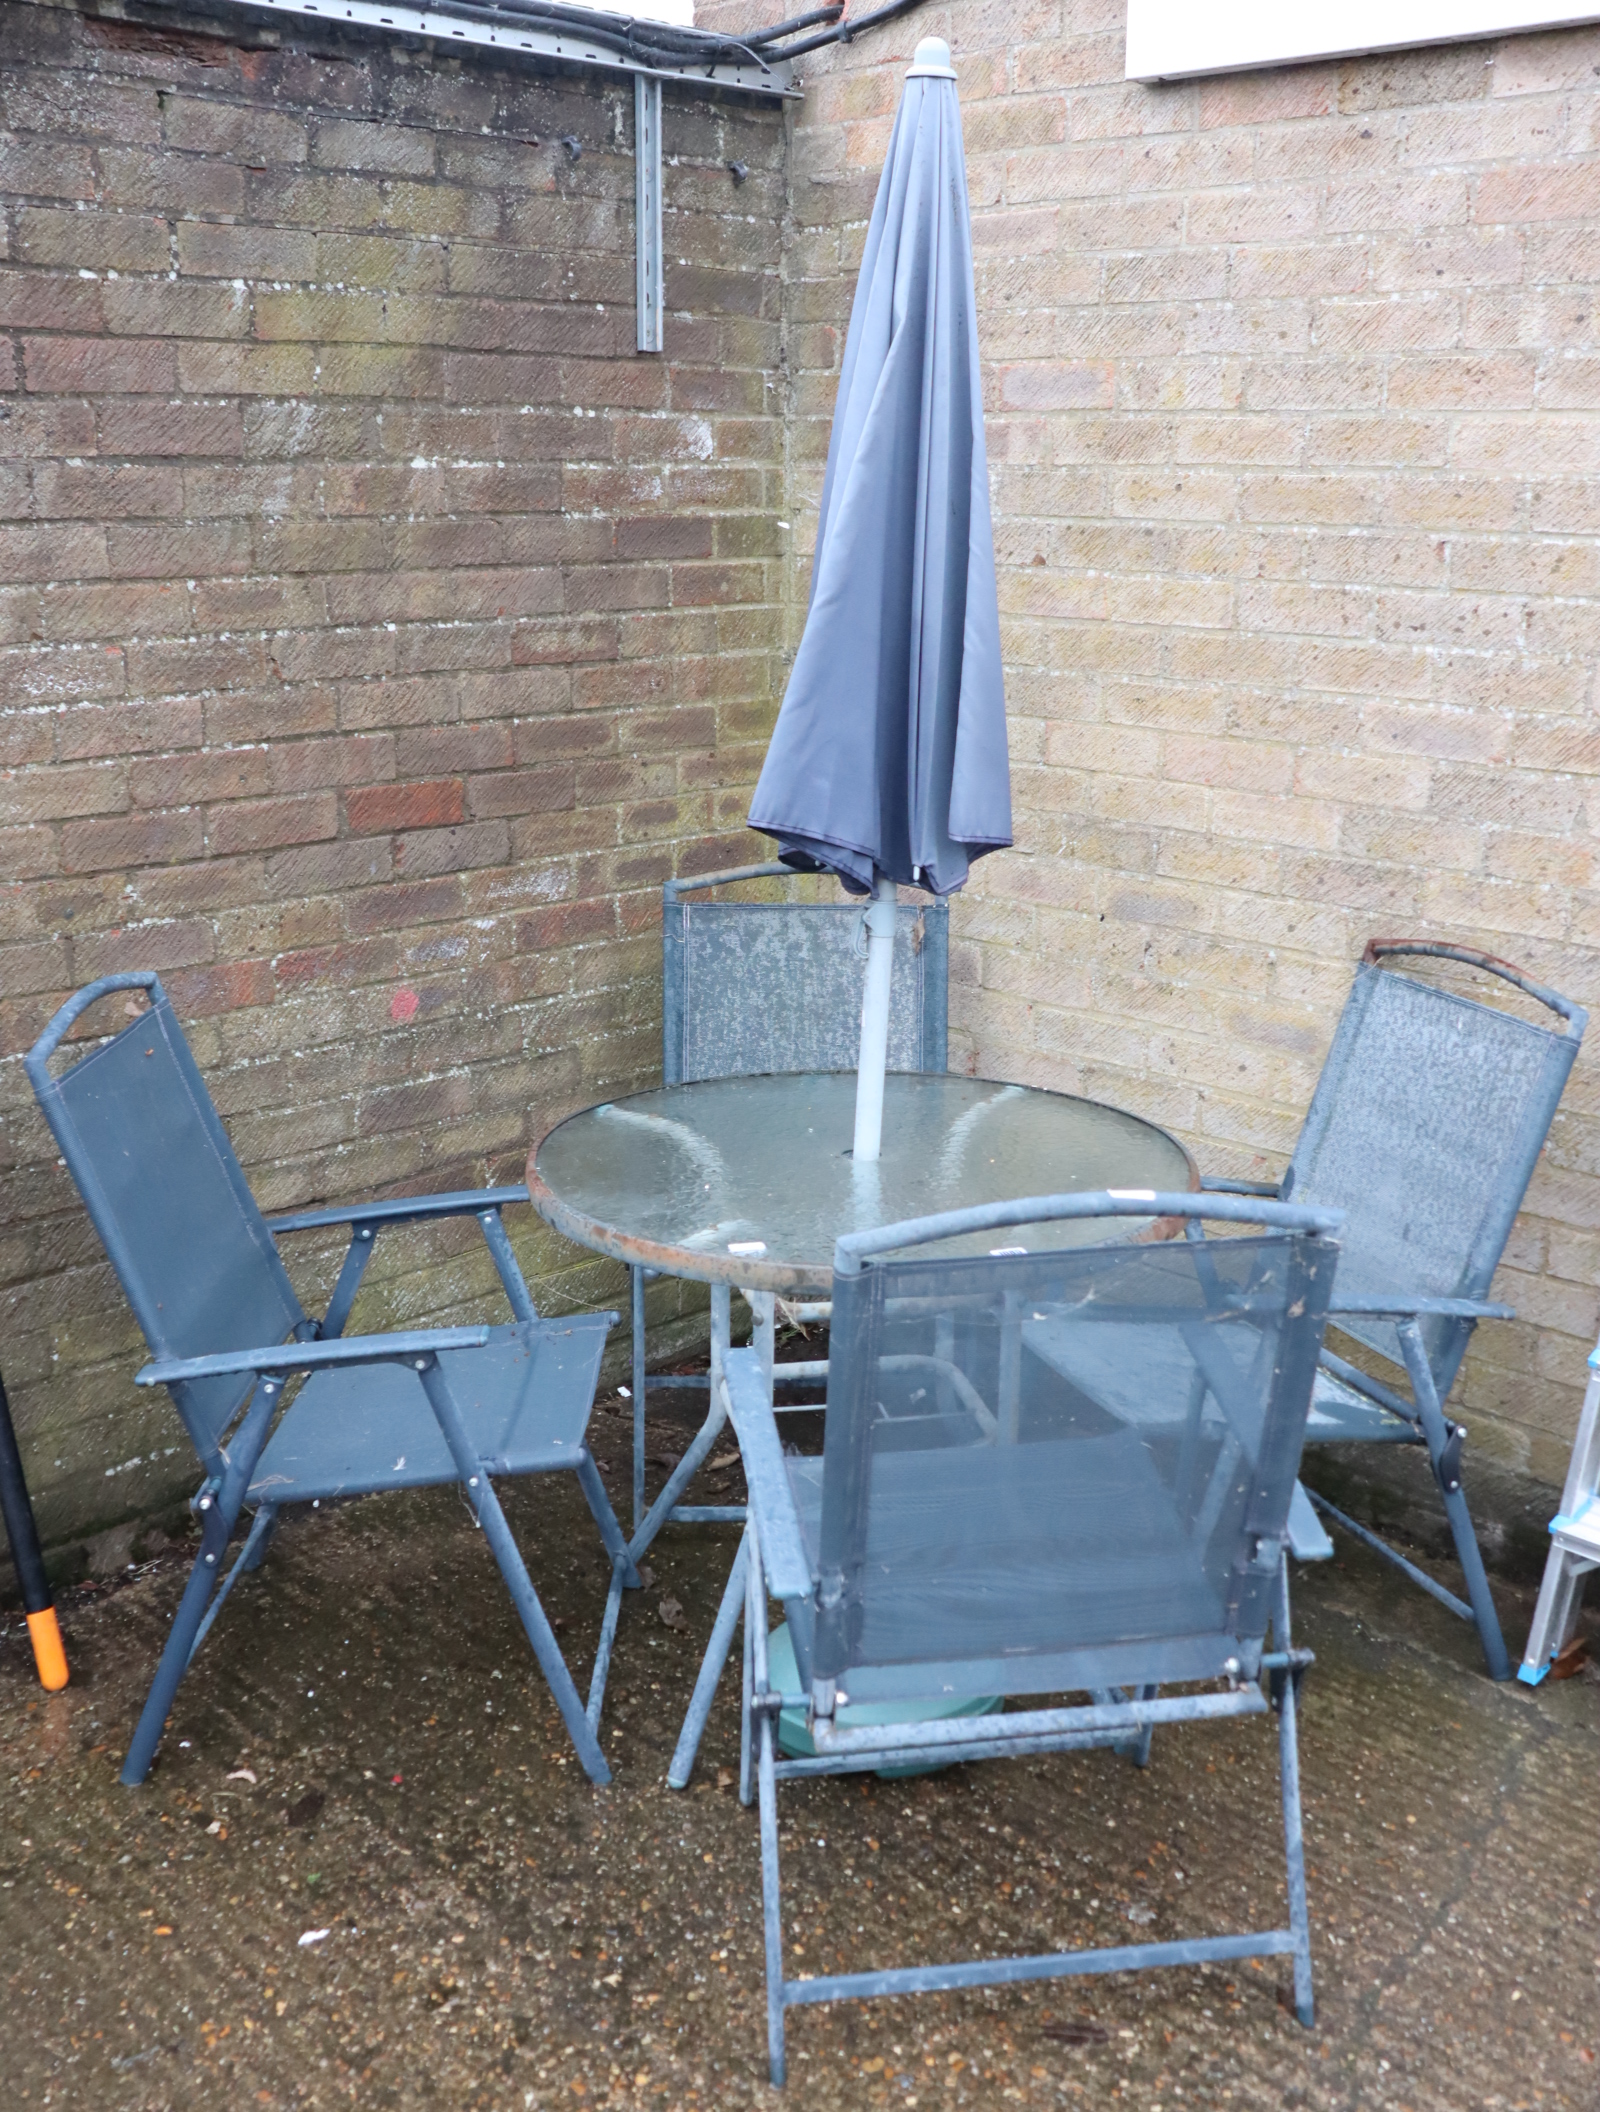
(1574, 1542)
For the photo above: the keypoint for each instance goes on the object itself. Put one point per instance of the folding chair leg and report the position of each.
(1139, 1751)
(623, 1574)
(638, 1395)
(1431, 1416)
(605, 1517)
(705, 1686)
(1293, 1837)
(771, 1897)
(746, 1747)
(263, 1531)
(602, 1651)
(180, 1644)
(251, 1555)
(480, 1494)
(219, 1509)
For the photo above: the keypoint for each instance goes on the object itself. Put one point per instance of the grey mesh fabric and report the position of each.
(1039, 1468)
(889, 755)
(1424, 1129)
(190, 1248)
(776, 986)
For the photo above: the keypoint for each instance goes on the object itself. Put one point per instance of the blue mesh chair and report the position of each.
(200, 1267)
(1425, 1128)
(980, 1524)
(755, 987)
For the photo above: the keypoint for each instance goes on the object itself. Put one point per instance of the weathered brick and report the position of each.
(56, 794)
(271, 824)
(91, 241)
(99, 366)
(427, 804)
(131, 426)
(131, 842)
(188, 779)
(232, 131)
(504, 792)
(149, 607)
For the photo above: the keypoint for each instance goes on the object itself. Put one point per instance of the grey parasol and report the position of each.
(888, 762)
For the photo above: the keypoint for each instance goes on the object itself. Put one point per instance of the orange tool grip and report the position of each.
(48, 1653)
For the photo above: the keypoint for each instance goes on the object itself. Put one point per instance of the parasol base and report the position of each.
(796, 1742)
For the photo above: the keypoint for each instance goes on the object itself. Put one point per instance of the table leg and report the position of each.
(705, 1686)
(763, 1307)
(666, 1504)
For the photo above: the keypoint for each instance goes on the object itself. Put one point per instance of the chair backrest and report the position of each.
(749, 987)
(1425, 1128)
(168, 1198)
(983, 1519)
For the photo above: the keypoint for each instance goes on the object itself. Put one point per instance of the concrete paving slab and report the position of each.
(365, 1750)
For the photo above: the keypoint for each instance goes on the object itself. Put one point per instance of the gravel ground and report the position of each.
(364, 1750)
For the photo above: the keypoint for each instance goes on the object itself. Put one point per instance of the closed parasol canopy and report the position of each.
(888, 763)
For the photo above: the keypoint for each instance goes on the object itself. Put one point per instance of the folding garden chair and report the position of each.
(977, 1525)
(754, 987)
(1424, 1128)
(201, 1270)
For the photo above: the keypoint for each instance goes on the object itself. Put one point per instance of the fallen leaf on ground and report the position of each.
(1076, 2032)
(672, 1614)
(1568, 1663)
(723, 1459)
(305, 1808)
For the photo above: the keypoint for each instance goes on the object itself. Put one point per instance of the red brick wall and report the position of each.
(377, 629)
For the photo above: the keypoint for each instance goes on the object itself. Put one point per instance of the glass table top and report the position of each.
(750, 1180)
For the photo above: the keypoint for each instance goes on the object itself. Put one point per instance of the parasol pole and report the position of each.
(874, 1058)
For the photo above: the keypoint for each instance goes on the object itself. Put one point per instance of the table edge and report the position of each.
(746, 1271)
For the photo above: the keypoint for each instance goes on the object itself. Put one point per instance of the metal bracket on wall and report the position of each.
(647, 210)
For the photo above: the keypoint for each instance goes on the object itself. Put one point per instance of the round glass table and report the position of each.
(749, 1181)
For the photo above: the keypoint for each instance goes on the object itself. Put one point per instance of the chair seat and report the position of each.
(1088, 1549)
(1148, 1390)
(1339, 1414)
(524, 1396)
(1138, 1373)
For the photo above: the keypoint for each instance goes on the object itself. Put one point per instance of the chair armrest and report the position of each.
(404, 1209)
(783, 1550)
(1308, 1541)
(772, 870)
(1223, 1184)
(1403, 1308)
(284, 1357)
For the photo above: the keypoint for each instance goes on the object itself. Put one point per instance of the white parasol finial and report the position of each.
(932, 59)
